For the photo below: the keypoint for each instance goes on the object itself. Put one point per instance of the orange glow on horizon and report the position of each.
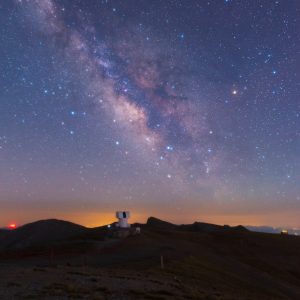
(96, 218)
(12, 226)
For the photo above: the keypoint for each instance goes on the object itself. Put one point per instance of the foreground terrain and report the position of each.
(60, 260)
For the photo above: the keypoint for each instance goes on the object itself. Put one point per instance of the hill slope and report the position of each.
(201, 261)
(39, 233)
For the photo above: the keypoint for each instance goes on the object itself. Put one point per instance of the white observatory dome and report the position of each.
(123, 217)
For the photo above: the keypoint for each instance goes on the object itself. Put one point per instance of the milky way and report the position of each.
(180, 108)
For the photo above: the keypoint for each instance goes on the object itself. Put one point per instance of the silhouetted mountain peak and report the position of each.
(40, 233)
(45, 233)
(240, 228)
(154, 222)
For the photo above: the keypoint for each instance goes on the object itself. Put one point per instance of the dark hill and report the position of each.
(40, 233)
(207, 227)
(157, 223)
(153, 222)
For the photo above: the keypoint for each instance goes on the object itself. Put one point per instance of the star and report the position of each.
(116, 100)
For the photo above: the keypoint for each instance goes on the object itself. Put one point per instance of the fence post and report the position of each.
(162, 262)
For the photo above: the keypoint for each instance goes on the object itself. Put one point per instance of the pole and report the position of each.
(162, 262)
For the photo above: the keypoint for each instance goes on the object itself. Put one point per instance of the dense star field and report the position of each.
(187, 110)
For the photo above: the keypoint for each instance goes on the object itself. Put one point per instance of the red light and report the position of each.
(12, 226)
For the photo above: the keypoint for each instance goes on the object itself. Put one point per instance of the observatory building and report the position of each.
(123, 217)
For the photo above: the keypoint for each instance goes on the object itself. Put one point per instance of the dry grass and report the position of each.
(197, 266)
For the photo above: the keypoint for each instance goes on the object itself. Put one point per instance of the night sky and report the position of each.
(185, 110)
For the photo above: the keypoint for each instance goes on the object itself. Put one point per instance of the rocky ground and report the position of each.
(197, 264)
